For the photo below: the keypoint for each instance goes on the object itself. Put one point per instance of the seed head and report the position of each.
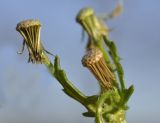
(93, 25)
(95, 62)
(30, 30)
(84, 13)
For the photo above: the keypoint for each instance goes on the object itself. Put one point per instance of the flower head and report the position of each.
(92, 24)
(95, 62)
(30, 30)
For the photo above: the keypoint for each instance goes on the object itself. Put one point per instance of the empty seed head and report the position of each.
(30, 30)
(27, 23)
(95, 62)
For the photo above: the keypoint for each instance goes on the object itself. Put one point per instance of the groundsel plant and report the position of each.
(110, 104)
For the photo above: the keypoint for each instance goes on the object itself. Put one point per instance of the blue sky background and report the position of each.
(28, 94)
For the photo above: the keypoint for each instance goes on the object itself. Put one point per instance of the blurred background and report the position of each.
(28, 94)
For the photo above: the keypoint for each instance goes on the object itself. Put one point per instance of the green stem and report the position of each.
(60, 75)
(116, 59)
(99, 108)
(106, 57)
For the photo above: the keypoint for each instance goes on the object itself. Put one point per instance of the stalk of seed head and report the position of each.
(95, 62)
(30, 30)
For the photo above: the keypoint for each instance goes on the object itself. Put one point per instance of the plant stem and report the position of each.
(116, 59)
(60, 75)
